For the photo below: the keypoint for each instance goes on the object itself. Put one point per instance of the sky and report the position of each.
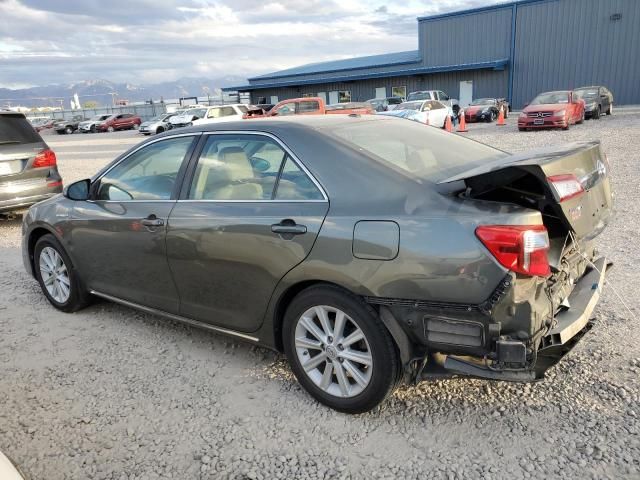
(46, 42)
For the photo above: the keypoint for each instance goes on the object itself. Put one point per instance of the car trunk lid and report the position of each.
(531, 179)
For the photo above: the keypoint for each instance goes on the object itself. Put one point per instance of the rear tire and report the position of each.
(93, 129)
(110, 129)
(58, 280)
(136, 126)
(350, 377)
(596, 115)
(68, 130)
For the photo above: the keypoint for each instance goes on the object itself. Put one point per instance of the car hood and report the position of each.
(472, 109)
(548, 107)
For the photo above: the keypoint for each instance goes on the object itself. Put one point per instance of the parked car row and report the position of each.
(563, 108)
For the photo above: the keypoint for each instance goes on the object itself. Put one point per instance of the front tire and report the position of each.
(58, 280)
(159, 130)
(339, 349)
(68, 130)
(610, 109)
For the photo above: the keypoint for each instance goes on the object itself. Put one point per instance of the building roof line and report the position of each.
(471, 11)
(494, 65)
(382, 60)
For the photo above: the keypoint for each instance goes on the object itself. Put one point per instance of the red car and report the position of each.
(121, 121)
(552, 110)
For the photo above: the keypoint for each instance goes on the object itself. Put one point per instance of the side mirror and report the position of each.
(526, 105)
(78, 190)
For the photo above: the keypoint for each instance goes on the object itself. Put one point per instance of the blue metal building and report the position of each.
(512, 50)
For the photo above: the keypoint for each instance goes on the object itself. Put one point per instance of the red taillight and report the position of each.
(521, 249)
(566, 186)
(45, 158)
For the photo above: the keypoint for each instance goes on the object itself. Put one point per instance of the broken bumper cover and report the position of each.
(570, 326)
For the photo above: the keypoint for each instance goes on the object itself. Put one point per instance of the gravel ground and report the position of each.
(111, 393)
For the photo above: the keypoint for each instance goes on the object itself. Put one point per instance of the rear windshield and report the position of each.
(15, 129)
(419, 152)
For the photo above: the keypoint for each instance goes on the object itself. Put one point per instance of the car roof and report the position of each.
(555, 91)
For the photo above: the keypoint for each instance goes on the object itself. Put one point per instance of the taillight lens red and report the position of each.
(566, 186)
(45, 158)
(521, 249)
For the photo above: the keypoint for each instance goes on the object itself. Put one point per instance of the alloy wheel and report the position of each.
(55, 275)
(333, 351)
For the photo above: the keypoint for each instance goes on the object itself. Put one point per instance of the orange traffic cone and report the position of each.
(462, 126)
(447, 124)
(501, 121)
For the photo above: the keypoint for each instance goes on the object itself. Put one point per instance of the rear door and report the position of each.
(248, 213)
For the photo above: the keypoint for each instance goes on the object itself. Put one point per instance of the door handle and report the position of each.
(288, 227)
(152, 221)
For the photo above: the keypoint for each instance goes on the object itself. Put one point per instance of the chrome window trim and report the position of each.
(140, 147)
(294, 158)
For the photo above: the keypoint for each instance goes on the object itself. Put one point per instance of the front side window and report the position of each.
(248, 168)
(432, 105)
(148, 174)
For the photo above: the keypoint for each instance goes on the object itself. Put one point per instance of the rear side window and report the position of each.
(249, 168)
(15, 129)
(308, 106)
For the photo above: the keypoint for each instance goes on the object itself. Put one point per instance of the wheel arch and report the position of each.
(36, 234)
(285, 299)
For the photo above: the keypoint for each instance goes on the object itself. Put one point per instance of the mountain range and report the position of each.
(103, 91)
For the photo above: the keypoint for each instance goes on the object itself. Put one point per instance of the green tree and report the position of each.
(90, 104)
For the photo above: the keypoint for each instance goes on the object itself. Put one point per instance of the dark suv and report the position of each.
(28, 171)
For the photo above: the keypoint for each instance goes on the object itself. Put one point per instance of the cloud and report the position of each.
(51, 41)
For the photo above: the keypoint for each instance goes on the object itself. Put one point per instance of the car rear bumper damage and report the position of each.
(450, 340)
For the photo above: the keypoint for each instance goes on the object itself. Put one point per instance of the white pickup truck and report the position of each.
(213, 114)
(436, 95)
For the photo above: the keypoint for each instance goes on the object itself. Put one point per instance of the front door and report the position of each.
(466, 93)
(248, 216)
(118, 237)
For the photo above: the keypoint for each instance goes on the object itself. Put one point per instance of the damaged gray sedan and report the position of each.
(370, 250)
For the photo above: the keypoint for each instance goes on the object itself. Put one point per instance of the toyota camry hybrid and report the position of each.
(371, 250)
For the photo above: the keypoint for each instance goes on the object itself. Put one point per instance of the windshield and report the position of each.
(409, 106)
(483, 101)
(586, 93)
(100, 117)
(551, 97)
(413, 150)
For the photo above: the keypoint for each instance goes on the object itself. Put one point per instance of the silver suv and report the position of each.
(28, 171)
